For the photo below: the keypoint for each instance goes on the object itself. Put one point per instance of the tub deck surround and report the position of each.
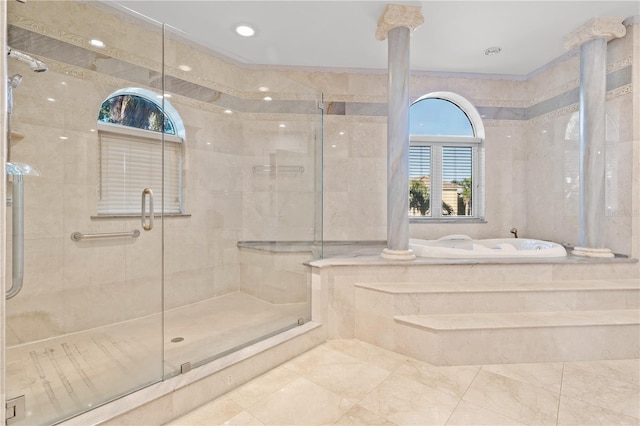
(466, 311)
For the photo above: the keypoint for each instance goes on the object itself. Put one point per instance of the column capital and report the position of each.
(397, 15)
(602, 27)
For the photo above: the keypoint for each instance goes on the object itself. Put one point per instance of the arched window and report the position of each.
(133, 126)
(446, 159)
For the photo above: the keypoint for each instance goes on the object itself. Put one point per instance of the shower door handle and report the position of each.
(147, 226)
(17, 207)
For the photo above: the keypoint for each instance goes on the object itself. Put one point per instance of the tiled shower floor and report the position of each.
(70, 373)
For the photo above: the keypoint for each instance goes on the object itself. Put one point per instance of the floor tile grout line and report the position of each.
(560, 394)
(359, 400)
(596, 403)
(462, 397)
(505, 377)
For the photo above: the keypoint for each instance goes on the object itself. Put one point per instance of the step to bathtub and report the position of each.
(497, 321)
(498, 287)
(378, 300)
(517, 337)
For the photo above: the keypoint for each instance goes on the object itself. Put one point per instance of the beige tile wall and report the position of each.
(526, 171)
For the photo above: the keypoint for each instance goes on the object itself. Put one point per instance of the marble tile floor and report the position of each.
(349, 382)
(67, 374)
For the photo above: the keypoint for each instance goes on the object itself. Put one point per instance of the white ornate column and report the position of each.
(396, 23)
(592, 37)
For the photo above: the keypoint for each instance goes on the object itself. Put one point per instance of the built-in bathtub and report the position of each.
(463, 246)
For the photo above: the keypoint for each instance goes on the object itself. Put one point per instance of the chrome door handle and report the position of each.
(147, 226)
(17, 208)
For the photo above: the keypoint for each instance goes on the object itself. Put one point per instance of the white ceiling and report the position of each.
(341, 34)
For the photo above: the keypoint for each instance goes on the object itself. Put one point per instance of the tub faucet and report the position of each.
(514, 231)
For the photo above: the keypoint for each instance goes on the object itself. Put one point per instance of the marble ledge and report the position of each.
(376, 260)
(357, 253)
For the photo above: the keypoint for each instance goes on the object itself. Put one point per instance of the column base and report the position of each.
(397, 254)
(592, 252)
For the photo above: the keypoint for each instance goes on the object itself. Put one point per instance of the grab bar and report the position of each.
(267, 168)
(17, 210)
(79, 236)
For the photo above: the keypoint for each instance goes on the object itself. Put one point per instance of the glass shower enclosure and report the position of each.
(159, 208)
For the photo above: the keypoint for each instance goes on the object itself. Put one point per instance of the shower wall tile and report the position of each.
(93, 306)
(337, 215)
(26, 324)
(187, 287)
(142, 297)
(275, 277)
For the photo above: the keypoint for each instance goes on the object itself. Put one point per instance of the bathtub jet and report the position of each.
(463, 246)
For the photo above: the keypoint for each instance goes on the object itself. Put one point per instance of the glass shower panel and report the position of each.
(233, 260)
(86, 326)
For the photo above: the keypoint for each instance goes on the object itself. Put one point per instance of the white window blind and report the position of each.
(419, 161)
(456, 163)
(129, 163)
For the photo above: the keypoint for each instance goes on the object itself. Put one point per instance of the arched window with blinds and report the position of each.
(446, 159)
(134, 126)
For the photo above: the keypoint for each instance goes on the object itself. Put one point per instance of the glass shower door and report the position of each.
(234, 262)
(86, 326)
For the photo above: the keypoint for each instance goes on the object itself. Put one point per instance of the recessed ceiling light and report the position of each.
(51, 99)
(228, 111)
(245, 30)
(341, 133)
(96, 43)
(64, 138)
(185, 68)
(282, 125)
(268, 98)
(492, 51)
(263, 88)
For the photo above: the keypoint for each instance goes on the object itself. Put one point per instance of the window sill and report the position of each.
(134, 216)
(419, 220)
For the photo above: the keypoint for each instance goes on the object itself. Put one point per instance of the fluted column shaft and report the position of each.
(398, 140)
(593, 82)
